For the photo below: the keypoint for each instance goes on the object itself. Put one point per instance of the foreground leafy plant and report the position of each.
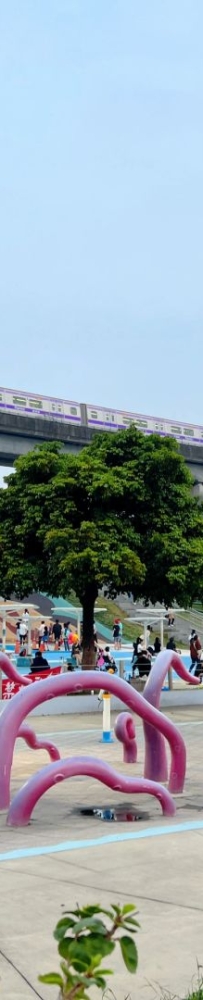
(85, 940)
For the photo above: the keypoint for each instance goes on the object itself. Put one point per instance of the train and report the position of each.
(98, 417)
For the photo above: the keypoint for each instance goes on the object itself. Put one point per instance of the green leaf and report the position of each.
(80, 966)
(64, 947)
(89, 911)
(78, 952)
(129, 953)
(52, 978)
(132, 923)
(105, 972)
(128, 908)
(97, 944)
(100, 982)
(63, 925)
(89, 923)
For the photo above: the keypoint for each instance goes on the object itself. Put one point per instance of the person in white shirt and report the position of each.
(22, 632)
(41, 630)
(25, 617)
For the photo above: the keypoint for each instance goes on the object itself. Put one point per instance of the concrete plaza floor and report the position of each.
(160, 869)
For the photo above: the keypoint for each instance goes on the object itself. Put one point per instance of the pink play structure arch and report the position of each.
(24, 802)
(157, 728)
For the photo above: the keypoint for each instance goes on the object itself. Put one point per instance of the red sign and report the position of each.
(9, 688)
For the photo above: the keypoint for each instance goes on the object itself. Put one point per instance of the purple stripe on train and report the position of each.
(146, 430)
(42, 413)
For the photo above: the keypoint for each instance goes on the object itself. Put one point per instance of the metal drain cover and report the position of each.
(119, 815)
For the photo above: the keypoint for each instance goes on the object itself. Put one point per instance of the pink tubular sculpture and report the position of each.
(28, 734)
(156, 728)
(155, 750)
(125, 732)
(24, 802)
(8, 668)
(35, 694)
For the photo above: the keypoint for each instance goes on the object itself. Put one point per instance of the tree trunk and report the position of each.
(88, 654)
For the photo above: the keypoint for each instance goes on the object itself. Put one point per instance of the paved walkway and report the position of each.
(155, 863)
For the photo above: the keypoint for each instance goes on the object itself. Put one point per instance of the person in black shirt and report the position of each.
(39, 663)
(57, 631)
(171, 644)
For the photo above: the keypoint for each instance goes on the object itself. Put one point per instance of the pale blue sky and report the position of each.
(101, 174)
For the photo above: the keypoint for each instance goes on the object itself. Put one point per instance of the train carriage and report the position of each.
(95, 417)
(28, 404)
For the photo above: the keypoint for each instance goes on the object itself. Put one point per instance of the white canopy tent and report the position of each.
(66, 612)
(152, 616)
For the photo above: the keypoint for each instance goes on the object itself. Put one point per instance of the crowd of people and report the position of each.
(143, 654)
(61, 636)
(55, 634)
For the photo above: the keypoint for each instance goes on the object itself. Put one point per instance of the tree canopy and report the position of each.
(119, 515)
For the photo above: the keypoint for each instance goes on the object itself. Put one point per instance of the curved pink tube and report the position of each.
(28, 734)
(24, 802)
(22, 704)
(155, 756)
(124, 730)
(11, 672)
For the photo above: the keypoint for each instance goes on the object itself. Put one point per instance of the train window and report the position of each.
(141, 423)
(189, 431)
(56, 407)
(94, 414)
(35, 403)
(20, 400)
(109, 418)
(158, 427)
(176, 430)
(128, 420)
(73, 410)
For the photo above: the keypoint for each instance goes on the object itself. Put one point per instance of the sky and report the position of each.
(101, 290)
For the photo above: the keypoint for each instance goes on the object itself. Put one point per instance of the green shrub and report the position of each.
(85, 940)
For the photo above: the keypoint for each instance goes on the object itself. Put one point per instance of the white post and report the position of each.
(78, 627)
(170, 679)
(29, 647)
(162, 632)
(121, 669)
(106, 735)
(3, 629)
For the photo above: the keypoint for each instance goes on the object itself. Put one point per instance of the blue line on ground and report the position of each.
(57, 733)
(115, 838)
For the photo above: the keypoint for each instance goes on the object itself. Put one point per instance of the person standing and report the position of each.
(41, 630)
(25, 618)
(57, 632)
(46, 636)
(195, 652)
(22, 632)
(66, 635)
(117, 633)
(120, 634)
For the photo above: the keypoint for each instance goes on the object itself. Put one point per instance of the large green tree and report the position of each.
(120, 514)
